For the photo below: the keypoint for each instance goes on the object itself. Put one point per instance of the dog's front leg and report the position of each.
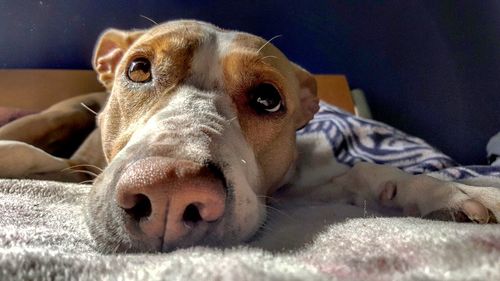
(22, 160)
(416, 195)
(61, 128)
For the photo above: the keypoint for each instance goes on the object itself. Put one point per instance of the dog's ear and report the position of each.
(309, 102)
(109, 50)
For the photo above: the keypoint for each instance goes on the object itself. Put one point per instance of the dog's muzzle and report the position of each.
(177, 181)
(168, 201)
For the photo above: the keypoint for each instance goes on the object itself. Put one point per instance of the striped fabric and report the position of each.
(354, 139)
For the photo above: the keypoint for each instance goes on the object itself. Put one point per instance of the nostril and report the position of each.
(141, 209)
(191, 215)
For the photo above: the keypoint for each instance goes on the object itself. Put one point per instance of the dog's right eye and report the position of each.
(139, 70)
(265, 98)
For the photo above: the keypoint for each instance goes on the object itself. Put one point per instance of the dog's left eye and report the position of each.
(139, 70)
(265, 98)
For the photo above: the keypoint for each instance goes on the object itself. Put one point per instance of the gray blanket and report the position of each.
(43, 237)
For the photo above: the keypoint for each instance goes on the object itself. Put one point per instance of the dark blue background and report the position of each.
(430, 68)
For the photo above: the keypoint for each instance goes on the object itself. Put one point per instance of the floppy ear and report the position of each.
(309, 102)
(108, 52)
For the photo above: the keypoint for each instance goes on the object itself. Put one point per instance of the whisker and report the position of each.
(149, 19)
(232, 119)
(62, 201)
(267, 197)
(268, 41)
(88, 108)
(85, 165)
(86, 181)
(364, 209)
(115, 250)
(265, 57)
(129, 247)
(84, 172)
(452, 215)
(278, 211)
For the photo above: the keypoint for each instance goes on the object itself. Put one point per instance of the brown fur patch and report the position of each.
(271, 136)
(170, 50)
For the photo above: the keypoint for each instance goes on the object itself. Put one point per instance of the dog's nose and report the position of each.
(167, 199)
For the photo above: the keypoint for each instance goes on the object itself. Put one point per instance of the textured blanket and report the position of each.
(43, 237)
(43, 234)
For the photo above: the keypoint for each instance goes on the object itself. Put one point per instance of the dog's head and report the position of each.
(198, 131)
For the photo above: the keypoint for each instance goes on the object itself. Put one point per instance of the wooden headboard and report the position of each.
(39, 88)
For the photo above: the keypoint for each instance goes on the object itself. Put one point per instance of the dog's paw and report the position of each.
(419, 195)
(434, 199)
(469, 211)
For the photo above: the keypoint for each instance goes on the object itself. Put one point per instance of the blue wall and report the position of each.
(431, 68)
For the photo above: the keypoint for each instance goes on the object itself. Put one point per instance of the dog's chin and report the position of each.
(243, 216)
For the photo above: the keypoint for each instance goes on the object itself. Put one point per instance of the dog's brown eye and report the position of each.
(265, 98)
(139, 70)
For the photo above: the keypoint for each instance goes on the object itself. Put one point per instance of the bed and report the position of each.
(43, 235)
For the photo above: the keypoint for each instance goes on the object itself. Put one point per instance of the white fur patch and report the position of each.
(206, 69)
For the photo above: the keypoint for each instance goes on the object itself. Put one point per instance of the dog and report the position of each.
(199, 132)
